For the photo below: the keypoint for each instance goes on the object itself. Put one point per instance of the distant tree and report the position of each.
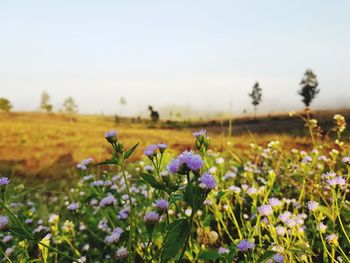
(45, 102)
(309, 88)
(122, 102)
(5, 105)
(69, 106)
(256, 95)
(154, 114)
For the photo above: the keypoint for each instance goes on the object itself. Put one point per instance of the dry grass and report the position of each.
(49, 145)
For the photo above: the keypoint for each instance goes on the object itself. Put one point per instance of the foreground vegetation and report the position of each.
(273, 205)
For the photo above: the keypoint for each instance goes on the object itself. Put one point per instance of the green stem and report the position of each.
(131, 220)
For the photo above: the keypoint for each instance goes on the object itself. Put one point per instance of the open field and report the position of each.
(47, 146)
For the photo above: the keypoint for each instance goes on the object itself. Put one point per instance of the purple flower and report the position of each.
(339, 180)
(265, 210)
(199, 133)
(278, 258)
(223, 251)
(111, 136)
(162, 204)
(193, 161)
(245, 245)
(162, 147)
(4, 220)
(114, 236)
(285, 216)
(7, 238)
(122, 253)
(151, 218)
(4, 181)
(150, 150)
(307, 159)
(274, 202)
(174, 166)
(98, 183)
(84, 163)
(109, 200)
(73, 206)
(312, 205)
(207, 181)
(124, 213)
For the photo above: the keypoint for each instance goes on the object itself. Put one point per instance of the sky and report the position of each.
(200, 54)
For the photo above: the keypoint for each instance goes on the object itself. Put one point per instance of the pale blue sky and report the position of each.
(197, 53)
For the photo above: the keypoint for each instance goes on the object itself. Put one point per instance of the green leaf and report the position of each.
(267, 255)
(129, 152)
(148, 178)
(108, 161)
(209, 254)
(176, 236)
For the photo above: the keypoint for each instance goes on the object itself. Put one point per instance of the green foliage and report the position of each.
(45, 104)
(309, 88)
(69, 106)
(175, 238)
(5, 105)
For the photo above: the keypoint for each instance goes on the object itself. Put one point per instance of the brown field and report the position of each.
(48, 146)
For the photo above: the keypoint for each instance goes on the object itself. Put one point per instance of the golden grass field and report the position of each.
(39, 145)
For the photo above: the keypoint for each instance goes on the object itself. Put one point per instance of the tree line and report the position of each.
(308, 91)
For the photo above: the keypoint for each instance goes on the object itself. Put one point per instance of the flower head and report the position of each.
(207, 181)
(111, 136)
(274, 202)
(4, 220)
(162, 204)
(73, 206)
(151, 218)
(199, 133)
(188, 160)
(122, 253)
(107, 201)
(332, 238)
(312, 205)
(4, 181)
(193, 161)
(339, 180)
(223, 251)
(151, 150)
(114, 236)
(265, 210)
(245, 245)
(278, 258)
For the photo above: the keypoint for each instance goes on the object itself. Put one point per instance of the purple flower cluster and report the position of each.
(162, 204)
(73, 206)
(107, 201)
(114, 236)
(265, 210)
(192, 161)
(199, 133)
(4, 220)
(245, 245)
(4, 181)
(207, 181)
(339, 180)
(151, 218)
(84, 163)
(278, 258)
(312, 205)
(152, 148)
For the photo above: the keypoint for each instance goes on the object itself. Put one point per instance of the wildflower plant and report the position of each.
(271, 205)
